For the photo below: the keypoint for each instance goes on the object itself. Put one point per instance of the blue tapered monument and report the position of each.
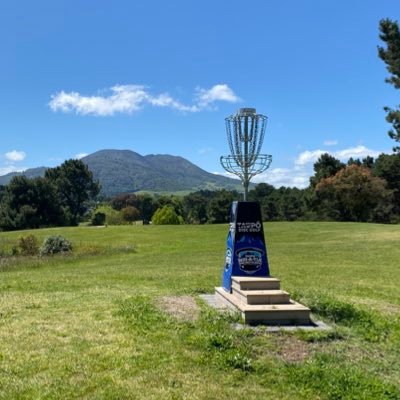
(246, 282)
(246, 253)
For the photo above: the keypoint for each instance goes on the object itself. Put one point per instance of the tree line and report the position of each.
(60, 198)
(366, 190)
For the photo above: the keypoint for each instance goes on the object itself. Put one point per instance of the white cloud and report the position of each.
(289, 177)
(221, 92)
(10, 168)
(330, 142)
(15, 155)
(80, 155)
(301, 172)
(307, 157)
(165, 100)
(356, 152)
(131, 98)
(123, 99)
(278, 177)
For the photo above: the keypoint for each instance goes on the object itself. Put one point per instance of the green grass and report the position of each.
(87, 325)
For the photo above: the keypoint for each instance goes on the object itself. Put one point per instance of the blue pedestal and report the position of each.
(246, 253)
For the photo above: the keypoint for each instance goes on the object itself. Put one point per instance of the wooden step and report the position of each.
(273, 314)
(262, 296)
(255, 283)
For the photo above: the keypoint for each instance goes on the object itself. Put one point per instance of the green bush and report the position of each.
(98, 219)
(55, 244)
(113, 217)
(130, 214)
(166, 216)
(28, 245)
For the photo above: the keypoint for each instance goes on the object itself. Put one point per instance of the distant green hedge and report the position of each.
(166, 216)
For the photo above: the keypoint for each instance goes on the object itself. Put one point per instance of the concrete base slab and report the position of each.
(313, 326)
(292, 313)
(214, 301)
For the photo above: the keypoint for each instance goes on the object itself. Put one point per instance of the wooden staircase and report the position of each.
(261, 301)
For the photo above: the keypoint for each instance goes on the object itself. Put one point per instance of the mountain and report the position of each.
(126, 171)
(29, 173)
(123, 171)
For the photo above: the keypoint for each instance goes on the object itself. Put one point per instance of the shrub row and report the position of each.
(29, 246)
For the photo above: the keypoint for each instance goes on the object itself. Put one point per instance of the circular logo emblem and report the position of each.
(250, 260)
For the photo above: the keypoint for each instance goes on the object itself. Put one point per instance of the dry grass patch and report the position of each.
(184, 308)
(291, 349)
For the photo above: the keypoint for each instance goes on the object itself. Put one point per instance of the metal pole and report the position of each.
(246, 157)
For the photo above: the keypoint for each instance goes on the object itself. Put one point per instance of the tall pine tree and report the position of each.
(390, 34)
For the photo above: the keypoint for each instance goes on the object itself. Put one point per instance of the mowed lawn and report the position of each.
(92, 325)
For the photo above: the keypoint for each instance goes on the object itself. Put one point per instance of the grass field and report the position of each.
(90, 325)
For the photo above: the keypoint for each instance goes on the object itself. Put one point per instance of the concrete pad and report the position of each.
(267, 314)
(314, 326)
(214, 301)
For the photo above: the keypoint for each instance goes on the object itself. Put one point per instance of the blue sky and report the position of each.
(159, 77)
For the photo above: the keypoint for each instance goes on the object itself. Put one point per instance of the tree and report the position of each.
(269, 206)
(285, 203)
(219, 207)
(30, 203)
(98, 219)
(354, 194)
(130, 214)
(291, 205)
(387, 166)
(195, 208)
(124, 200)
(365, 162)
(261, 191)
(2, 191)
(324, 167)
(166, 216)
(352, 161)
(174, 201)
(267, 196)
(146, 206)
(112, 217)
(390, 34)
(368, 162)
(75, 187)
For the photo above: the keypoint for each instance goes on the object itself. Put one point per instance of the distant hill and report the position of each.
(29, 173)
(124, 171)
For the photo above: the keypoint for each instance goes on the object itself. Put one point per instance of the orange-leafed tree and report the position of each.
(354, 194)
